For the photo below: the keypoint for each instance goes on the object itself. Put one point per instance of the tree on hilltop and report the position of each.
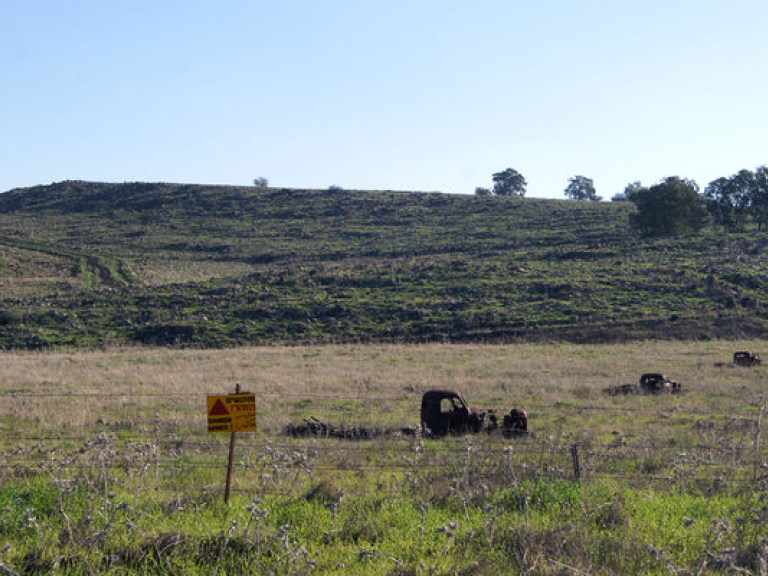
(509, 182)
(626, 195)
(759, 203)
(720, 198)
(631, 188)
(670, 208)
(581, 188)
(733, 200)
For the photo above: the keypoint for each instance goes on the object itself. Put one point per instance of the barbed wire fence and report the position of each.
(725, 455)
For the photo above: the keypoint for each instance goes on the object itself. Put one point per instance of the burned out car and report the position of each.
(446, 412)
(650, 383)
(655, 383)
(744, 358)
(443, 412)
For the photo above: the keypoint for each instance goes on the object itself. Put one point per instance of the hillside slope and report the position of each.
(92, 264)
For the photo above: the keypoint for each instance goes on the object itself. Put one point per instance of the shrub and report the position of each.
(9, 318)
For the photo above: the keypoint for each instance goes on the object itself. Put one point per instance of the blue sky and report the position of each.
(429, 95)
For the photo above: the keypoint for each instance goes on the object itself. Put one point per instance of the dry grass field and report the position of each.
(100, 430)
(382, 384)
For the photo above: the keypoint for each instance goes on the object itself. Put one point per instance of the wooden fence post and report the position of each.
(576, 463)
(231, 457)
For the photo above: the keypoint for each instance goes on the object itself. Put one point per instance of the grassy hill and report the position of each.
(90, 264)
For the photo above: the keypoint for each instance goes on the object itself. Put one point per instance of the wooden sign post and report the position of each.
(232, 413)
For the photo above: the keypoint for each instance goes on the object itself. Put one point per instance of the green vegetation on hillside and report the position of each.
(88, 264)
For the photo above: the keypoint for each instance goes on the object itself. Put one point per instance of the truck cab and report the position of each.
(446, 412)
(745, 358)
(654, 383)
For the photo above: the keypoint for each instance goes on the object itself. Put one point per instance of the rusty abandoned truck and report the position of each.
(747, 359)
(446, 412)
(650, 383)
(443, 412)
(742, 358)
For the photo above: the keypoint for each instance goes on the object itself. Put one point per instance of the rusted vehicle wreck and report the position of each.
(745, 358)
(650, 383)
(446, 412)
(443, 412)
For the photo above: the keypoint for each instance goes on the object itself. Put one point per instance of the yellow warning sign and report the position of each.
(232, 413)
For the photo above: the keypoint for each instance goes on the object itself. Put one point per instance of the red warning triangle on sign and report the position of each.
(218, 409)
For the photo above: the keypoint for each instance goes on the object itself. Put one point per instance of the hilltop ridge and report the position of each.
(91, 264)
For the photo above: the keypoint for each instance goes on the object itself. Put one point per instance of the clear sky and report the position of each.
(430, 95)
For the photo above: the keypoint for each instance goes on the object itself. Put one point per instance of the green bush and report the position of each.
(9, 318)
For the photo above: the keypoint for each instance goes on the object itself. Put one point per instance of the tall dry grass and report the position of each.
(356, 383)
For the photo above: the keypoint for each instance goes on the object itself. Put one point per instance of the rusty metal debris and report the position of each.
(446, 412)
(317, 428)
(442, 412)
(744, 358)
(650, 383)
(741, 358)
(314, 427)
